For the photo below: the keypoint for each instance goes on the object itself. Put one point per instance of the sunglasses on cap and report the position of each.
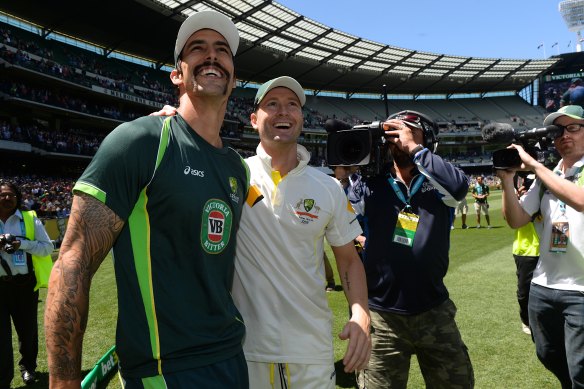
(411, 119)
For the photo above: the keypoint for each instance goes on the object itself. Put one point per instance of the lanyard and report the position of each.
(417, 184)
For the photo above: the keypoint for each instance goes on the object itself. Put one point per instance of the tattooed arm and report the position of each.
(91, 232)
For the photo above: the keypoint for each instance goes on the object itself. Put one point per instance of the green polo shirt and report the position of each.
(174, 256)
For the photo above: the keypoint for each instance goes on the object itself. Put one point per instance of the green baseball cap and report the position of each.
(573, 111)
(284, 81)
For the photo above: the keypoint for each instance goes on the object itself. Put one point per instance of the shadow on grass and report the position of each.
(344, 380)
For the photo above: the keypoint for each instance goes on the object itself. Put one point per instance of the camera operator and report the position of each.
(556, 297)
(19, 296)
(408, 214)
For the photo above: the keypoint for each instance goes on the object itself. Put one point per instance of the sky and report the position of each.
(470, 28)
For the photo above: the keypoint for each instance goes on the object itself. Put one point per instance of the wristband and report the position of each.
(415, 150)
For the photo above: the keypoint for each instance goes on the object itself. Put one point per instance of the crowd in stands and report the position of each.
(50, 197)
(468, 156)
(72, 141)
(82, 69)
(88, 69)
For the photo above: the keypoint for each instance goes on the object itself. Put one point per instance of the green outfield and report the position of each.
(482, 283)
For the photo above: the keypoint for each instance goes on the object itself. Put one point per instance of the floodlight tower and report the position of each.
(573, 13)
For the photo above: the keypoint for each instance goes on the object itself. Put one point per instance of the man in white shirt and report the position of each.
(279, 267)
(556, 297)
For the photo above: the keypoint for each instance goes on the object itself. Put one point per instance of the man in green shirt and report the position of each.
(167, 195)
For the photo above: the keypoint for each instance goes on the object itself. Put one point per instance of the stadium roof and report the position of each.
(278, 41)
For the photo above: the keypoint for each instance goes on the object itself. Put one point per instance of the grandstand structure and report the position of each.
(64, 86)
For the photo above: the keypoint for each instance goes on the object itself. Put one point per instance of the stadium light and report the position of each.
(573, 13)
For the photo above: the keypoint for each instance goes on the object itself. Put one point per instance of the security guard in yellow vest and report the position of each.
(22, 236)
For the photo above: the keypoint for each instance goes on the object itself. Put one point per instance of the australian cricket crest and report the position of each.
(233, 187)
(216, 224)
(307, 210)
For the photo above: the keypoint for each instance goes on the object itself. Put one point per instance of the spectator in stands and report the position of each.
(480, 192)
(19, 294)
(170, 215)
(556, 296)
(574, 95)
(408, 211)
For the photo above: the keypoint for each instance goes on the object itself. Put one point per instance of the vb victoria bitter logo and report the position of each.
(216, 226)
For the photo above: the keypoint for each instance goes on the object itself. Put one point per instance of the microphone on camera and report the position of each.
(498, 133)
(503, 133)
(334, 125)
(551, 131)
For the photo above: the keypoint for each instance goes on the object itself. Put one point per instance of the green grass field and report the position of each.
(482, 283)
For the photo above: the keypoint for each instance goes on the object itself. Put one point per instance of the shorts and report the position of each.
(265, 375)
(230, 373)
(482, 206)
(462, 208)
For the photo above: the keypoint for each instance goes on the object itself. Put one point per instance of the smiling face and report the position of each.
(278, 118)
(205, 67)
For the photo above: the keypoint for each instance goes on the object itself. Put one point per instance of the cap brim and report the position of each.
(211, 20)
(551, 118)
(284, 81)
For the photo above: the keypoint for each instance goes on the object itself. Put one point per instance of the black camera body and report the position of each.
(6, 241)
(363, 145)
(538, 142)
(366, 145)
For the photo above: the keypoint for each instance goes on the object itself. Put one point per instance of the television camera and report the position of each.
(366, 145)
(538, 142)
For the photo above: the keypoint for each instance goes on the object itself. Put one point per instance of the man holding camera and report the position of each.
(556, 296)
(18, 291)
(408, 215)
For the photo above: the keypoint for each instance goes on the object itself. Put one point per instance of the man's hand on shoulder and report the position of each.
(167, 110)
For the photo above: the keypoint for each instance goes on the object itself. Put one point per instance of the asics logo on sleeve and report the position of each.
(193, 172)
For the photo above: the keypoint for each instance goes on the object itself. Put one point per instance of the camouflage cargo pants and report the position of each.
(433, 336)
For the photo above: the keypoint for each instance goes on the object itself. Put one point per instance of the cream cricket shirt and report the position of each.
(279, 270)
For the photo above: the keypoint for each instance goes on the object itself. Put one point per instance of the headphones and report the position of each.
(423, 122)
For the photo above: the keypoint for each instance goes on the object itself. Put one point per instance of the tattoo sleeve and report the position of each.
(91, 232)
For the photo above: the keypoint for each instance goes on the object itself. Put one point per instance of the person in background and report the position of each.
(329, 274)
(462, 210)
(167, 195)
(526, 255)
(574, 95)
(556, 296)
(408, 212)
(19, 295)
(480, 192)
(342, 174)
